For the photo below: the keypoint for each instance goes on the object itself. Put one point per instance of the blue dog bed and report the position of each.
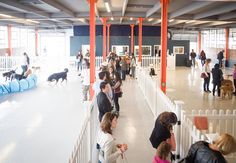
(18, 86)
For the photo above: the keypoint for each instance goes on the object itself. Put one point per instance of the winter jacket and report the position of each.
(217, 75)
(104, 104)
(200, 152)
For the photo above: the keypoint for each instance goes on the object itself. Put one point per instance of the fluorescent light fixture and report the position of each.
(32, 21)
(6, 16)
(112, 18)
(151, 19)
(171, 20)
(190, 21)
(131, 18)
(107, 7)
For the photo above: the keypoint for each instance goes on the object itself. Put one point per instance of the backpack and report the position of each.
(28, 60)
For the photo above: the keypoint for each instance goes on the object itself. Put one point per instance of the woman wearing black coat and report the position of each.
(217, 76)
(203, 152)
(163, 127)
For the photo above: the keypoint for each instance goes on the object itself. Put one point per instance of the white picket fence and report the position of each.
(186, 133)
(84, 149)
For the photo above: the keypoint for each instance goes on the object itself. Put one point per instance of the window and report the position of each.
(3, 37)
(146, 50)
(120, 49)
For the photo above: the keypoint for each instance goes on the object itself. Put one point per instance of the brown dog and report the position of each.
(226, 89)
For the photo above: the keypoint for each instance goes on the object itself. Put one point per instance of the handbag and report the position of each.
(120, 94)
(203, 75)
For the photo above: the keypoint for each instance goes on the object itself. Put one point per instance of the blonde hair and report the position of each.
(163, 150)
(226, 144)
(107, 122)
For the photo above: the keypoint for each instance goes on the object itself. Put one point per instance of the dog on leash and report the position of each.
(8, 75)
(57, 76)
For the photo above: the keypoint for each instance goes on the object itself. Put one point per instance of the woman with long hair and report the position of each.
(117, 90)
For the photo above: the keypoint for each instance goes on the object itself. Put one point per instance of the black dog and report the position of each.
(57, 76)
(8, 75)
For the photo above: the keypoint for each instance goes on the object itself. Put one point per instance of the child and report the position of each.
(234, 77)
(163, 152)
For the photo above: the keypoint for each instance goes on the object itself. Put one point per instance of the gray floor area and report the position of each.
(41, 125)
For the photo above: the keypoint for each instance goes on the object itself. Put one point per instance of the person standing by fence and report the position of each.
(25, 63)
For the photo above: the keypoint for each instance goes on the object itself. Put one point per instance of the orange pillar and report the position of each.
(36, 42)
(227, 44)
(104, 21)
(140, 39)
(9, 40)
(132, 38)
(164, 18)
(92, 46)
(108, 38)
(199, 42)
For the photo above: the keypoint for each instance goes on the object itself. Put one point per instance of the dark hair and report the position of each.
(163, 150)
(117, 77)
(107, 121)
(217, 65)
(167, 119)
(108, 78)
(101, 75)
(103, 85)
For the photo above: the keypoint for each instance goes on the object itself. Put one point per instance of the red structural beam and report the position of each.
(108, 38)
(140, 39)
(104, 52)
(9, 40)
(132, 38)
(199, 42)
(226, 43)
(164, 18)
(36, 42)
(92, 45)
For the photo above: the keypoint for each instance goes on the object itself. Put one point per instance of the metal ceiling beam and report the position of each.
(191, 7)
(217, 11)
(156, 22)
(155, 8)
(124, 9)
(176, 22)
(13, 3)
(59, 6)
(227, 16)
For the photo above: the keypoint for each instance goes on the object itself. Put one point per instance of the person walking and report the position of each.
(217, 76)
(203, 57)
(193, 56)
(207, 71)
(220, 57)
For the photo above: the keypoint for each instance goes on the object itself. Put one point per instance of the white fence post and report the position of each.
(178, 108)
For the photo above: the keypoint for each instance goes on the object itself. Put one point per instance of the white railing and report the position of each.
(186, 133)
(218, 122)
(158, 102)
(84, 149)
(7, 62)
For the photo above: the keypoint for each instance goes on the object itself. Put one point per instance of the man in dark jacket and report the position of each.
(193, 56)
(220, 57)
(200, 152)
(217, 76)
(103, 102)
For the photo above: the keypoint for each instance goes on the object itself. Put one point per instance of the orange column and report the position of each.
(164, 18)
(92, 46)
(199, 42)
(226, 44)
(36, 42)
(108, 38)
(140, 39)
(104, 21)
(9, 40)
(132, 38)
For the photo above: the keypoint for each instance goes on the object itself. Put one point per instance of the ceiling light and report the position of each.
(32, 21)
(171, 20)
(112, 18)
(107, 7)
(131, 18)
(190, 21)
(6, 16)
(150, 19)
